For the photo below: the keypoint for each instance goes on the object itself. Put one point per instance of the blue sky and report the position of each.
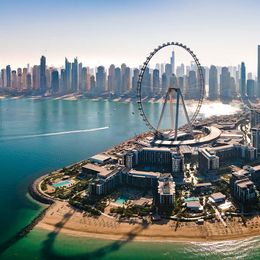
(222, 32)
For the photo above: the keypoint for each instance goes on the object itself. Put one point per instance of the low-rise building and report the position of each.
(245, 191)
(194, 206)
(104, 180)
(242, 188)
(238, 175)
(208, 161)
(217, 197)
(205, 187)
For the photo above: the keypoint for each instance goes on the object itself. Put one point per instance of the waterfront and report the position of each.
(30, 146)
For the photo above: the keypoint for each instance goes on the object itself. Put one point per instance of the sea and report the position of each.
(41, 135)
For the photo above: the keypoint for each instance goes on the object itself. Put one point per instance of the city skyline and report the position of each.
(226, 83)
(103, 32)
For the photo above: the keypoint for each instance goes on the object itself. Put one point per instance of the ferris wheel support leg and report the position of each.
(177, 114)
(171, 109)
(164, 105)
(186, 114)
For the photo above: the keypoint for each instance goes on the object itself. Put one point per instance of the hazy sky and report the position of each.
(222, 32)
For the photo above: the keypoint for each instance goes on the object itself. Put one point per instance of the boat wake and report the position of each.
(54, 133)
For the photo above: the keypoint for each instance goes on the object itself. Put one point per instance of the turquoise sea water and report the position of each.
(37, 136)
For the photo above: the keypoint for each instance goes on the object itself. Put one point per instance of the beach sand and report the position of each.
(60, 217)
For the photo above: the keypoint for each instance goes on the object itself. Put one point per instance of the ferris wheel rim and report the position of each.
(140, 79)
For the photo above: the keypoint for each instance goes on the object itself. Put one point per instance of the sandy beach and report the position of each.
(60, 217)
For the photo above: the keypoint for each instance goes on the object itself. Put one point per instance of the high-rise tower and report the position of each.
(43, 85)
(8, 76)
(213, 83)
(67, 75)
(74, 76)
(258, 72)
(243, 79)
(173, 61)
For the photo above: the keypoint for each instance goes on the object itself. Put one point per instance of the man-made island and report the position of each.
(147, 188)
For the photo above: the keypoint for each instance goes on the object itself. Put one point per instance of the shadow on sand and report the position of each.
(49, 253)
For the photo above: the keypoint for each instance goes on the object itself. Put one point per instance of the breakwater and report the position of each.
(23, 232)
(38, 196)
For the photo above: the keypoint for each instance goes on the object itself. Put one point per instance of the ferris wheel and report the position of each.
(173, 95)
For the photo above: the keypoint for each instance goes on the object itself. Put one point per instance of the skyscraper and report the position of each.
(8, 76)
(43, 85)
(156, 82)
(135, 80)
(192, 85)
(173, 62)
(243, 80)
(168, 72)
(250, 86)
(74, 76)
(84, 80)
(125, 73)
(88, 88)
(126, 80)
(164, 83)
(3, 78)
(111, 79)
(100, 80)
(28, 81)
(258, 72)
(48, 77)
(55, 81)
(80, 78)
(14, 80)
(24, 78)
(62, 81)
(92, 84)
(19, 79)
(213, 83)
(146, 83)
(35, 77)
(225, 85)
(118, 81)
(67, 85)
(180, 70)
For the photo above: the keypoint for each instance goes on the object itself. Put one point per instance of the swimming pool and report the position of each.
(121, 200)
(61, 183)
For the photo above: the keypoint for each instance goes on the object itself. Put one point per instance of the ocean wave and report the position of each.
(53, 133)
(232, 249)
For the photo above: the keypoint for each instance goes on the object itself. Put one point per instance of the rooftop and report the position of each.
(100, 157)
(166, 187)
(101, 171)
(244, 184)
(193, 204)
(144, 173)
(204, 184)
(218, 196)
